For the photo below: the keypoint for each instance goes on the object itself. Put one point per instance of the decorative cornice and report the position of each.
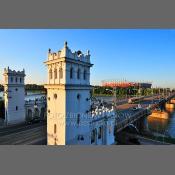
(69, 60)
(69, 86)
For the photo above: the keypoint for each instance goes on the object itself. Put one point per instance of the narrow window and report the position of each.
(71, 73)
(55, 73)
(55, 96)
(55, 141)
(100, 132)
(12, 79)
(61, 73)
(20, 80)
(84, 75)
(16, 79)
(78, 96)
(78, 74)
(16, 108)
(50, 73)
(93, 136)
(78, 119)
(55, 128)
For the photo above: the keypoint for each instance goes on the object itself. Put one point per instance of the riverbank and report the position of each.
(163, 138)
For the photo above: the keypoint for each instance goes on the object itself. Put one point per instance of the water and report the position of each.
(31, 95)
(162, 126)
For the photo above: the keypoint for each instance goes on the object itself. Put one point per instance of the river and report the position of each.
(162, 126)
(31, 95)
(157, 126)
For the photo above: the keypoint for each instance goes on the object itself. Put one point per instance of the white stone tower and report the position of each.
(14, 96)
(68, 97)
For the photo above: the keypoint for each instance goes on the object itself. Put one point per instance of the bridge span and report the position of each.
(123, 119)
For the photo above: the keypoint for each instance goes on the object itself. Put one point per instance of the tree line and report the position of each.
(130, 91)
(29, 87)
(34, 87)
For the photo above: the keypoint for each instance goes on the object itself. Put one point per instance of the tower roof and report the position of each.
(66, 53)
(13, 72)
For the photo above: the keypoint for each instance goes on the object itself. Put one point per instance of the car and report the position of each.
(34, 120)
(135, 108)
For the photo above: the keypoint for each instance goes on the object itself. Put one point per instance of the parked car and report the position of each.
(34, 120)
(135, 108)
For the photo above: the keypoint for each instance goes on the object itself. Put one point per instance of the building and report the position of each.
(126, 84)
(68, 97)
(69, 117)
(17, 109)
(14, 96)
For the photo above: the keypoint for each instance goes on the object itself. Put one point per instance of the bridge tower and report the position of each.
(14, 96)
(68, 97)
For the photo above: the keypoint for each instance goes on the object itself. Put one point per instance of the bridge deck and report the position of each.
(125, 114)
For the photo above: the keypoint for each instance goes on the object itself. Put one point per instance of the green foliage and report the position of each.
(29, 87)
(102, 90)
(34, 87)
(123, 92)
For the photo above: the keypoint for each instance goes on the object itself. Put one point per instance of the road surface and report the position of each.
(34, 134)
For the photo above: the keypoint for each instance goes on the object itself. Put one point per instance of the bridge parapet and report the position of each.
(124, 123)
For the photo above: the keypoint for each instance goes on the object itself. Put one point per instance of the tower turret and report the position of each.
(68, 94)
(14, 96)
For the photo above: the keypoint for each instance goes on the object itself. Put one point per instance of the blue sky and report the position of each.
(135, 55)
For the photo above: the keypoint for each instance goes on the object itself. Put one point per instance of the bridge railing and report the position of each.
(123, 124)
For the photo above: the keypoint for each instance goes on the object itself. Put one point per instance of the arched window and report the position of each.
(71, 72)
(100, 132)
(78, 74)
(50, 73)
(55, 73)
(93, 136)
(61, 73)
(84, 75)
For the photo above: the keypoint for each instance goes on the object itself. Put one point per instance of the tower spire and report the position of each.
(65, 44)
